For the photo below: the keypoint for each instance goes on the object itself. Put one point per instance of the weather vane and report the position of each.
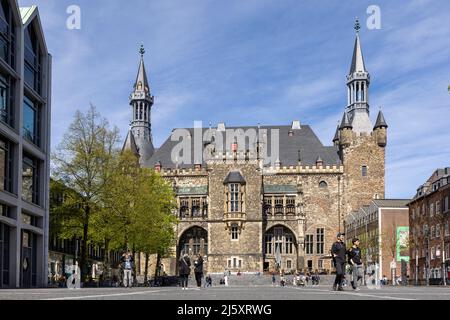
(357, 25)
(142, 50)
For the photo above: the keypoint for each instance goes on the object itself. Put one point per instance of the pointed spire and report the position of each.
(141, 83)
(381, 122)
(358, 58)
(345, 123)
(336, 135)
(130, 144)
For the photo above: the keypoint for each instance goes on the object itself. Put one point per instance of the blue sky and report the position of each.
(246, 62)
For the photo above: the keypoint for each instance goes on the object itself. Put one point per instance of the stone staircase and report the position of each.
(251, 279)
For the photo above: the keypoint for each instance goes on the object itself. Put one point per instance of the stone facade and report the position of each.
(250, 216)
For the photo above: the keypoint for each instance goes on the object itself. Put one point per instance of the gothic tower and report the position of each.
(139, 138)
(361, 146)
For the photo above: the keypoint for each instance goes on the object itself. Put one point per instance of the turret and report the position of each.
(345, 132)
(380, 130)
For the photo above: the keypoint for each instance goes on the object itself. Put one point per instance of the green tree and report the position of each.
(81, 162)
(137, 213)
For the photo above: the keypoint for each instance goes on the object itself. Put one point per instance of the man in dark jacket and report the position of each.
(338, 251)
(127, 261)
(198, 270)
(184, 267)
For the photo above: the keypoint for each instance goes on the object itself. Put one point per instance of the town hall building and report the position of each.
(251, 215)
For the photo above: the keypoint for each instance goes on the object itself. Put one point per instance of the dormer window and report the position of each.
(235, 187)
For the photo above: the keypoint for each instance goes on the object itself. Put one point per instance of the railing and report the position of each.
(234, 216)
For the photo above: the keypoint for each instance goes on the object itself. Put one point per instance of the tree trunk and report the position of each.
(135, 263)
(106, 261)
(147, 258)
(84, 253)
(158, 262)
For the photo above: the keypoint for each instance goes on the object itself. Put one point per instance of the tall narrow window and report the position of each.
(196, 207)
(31, 130)
(268, 206)
(184, 208)
(6, 164)
(205, 208)
(30, 180)
(364, 171)
(309, 244)
(279, 209)
(234, 232)
(4, 255)
(33, 59)
(320, 237)
(278, 239)
(7, 37)
(6, 100)
(290, 205)
(269, 244)
(289, 244)
(234, 197)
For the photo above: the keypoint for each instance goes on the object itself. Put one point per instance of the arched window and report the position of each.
(196, 207)
(290, 205)
(279, 209)
(323, 185)
(184, 208)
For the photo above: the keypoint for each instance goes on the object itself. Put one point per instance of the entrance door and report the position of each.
(27, 257)
(310, 265)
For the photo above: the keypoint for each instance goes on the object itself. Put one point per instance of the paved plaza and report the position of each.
(235, 293)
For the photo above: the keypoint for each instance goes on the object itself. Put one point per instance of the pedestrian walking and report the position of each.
(273, 279)
(226, 278)
(127, 261)
(208, 281)
(198, 270)
(184, 267)
(354, 259)
(338, 251)
(317, 278)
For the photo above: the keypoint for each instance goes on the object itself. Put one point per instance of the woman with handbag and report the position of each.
(184, 267)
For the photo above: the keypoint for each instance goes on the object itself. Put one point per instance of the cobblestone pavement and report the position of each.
(230, 293)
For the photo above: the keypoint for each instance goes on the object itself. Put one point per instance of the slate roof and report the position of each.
(381, 122)
(303, 139)
(234, 177)
(391, 203)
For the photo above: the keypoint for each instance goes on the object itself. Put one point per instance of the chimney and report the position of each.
(158, 166)
(198, 167)
(296, 125)
(319, 162)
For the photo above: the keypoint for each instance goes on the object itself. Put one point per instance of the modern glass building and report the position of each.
(25, 88)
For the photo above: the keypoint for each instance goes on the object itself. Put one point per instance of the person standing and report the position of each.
(354, 259)
(127, 266)
(226, 278)
(198, 270)
(184, 267)
(338, 252)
